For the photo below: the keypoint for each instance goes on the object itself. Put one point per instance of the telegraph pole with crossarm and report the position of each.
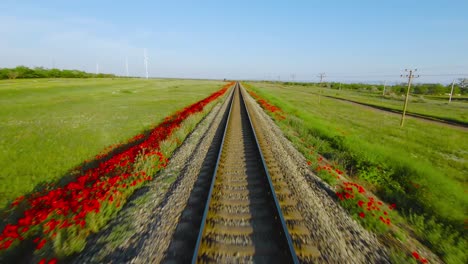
(410, 77)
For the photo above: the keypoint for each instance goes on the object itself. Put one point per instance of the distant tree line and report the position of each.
(461, 87)
(23, 72)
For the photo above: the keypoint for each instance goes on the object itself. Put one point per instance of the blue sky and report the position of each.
(348, 40)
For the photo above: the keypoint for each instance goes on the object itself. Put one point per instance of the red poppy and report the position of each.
(361, 189)
(41, 244)
(340, 195)
(17, 201)
(362, 215)
(5, 244)
(415, 255)
(11, 231)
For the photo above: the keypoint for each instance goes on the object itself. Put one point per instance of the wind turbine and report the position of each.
(146, 62)
(126, 65)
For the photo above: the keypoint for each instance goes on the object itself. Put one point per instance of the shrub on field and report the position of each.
(419, 99)
(395, 96)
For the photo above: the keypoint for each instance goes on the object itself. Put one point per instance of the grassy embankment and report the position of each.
(422, 168)
(49, 126)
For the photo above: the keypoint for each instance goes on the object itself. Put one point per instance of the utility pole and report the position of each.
(410, 77)
(340, 87)
(146, 62)
(97, 68)
(385, 85)
(321, 76)
(451, 92)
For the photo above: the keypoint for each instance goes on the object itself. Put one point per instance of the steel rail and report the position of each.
(278, 215)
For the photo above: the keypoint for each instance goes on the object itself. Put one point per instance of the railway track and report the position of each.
(241, 209)
(242, 220)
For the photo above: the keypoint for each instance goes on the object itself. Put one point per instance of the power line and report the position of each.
(447, 74)
(358, 76)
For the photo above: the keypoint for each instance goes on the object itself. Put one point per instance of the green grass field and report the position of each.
(437, 107)
(423, 167)
(49, 126)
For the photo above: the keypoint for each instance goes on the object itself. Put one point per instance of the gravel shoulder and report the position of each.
(142, 231)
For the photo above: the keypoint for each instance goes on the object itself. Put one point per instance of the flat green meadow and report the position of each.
(50, 126)
(423, 105)
(431, 106)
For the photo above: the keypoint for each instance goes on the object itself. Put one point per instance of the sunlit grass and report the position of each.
(49, 126)
(421, 167)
